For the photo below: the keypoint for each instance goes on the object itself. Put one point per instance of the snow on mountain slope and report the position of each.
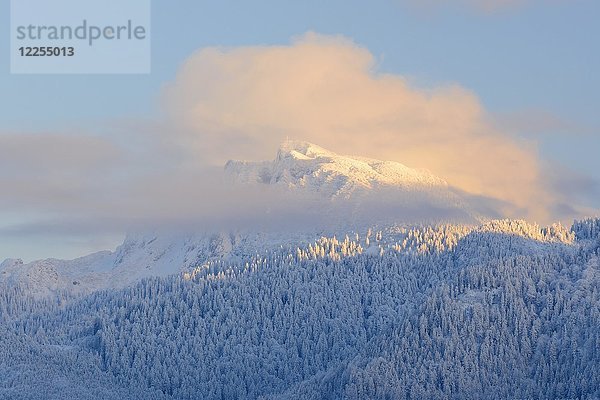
(305, 165)
(138, 257)
(146, 255)
(364, 190)
(44, 277)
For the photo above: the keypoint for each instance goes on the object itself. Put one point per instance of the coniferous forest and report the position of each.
(504, 310)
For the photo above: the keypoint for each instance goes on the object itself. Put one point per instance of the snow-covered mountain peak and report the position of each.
(301, 150)
(305, 165)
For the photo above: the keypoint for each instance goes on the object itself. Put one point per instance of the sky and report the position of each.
(499, 97)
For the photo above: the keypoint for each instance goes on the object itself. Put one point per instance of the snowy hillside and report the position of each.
(140, 256)
(503, 310)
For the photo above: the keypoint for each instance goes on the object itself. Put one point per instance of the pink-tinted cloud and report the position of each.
(242, 102)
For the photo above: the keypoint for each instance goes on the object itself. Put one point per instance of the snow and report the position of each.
(506, 309)
(138, 257)
(306, 165)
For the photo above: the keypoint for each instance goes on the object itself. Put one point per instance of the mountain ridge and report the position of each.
(300, 164)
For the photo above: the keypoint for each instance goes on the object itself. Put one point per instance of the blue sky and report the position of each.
(532, 65)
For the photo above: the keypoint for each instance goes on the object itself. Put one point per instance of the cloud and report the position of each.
(53, 168)
(242, 102)
(78, 188)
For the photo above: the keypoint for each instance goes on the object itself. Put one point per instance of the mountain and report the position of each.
(503, 310)
(348, 194)
(358, 191)
(303, 165)
(140, 256)
(384, 310)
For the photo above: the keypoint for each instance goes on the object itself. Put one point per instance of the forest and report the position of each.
(502, 310)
